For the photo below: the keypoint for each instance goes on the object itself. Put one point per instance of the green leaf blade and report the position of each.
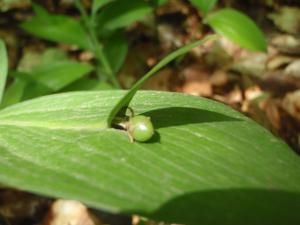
(57, 28)
(54, 71)
(60, 74)
(239, 28)
(3, 68)
(120, 14)
(115, 49)
(204, 5)
(34, 113)
(98, 4)
(204, 155)
(13, 93)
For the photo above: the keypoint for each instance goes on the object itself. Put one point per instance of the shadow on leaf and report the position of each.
(175, 116)
(232, 206)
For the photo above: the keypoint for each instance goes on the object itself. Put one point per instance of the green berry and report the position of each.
(140, 128)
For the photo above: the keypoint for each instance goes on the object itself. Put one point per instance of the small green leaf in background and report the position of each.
(98, 4)
(207, 164)
(161, 2)
(14, 93)
(57, 28)
(122, 13)
(40, 74)
(56, 71)
(204, 5)
(23, 87)
(3, 68)
(238, 28)
(115, 49)
(157, 3)
(34, 89)
(52, 55)
(58, 75)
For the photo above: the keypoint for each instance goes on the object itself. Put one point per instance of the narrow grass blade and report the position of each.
(3, 68)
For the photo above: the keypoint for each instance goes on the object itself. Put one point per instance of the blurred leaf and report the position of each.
(32, 59)
(55, 71)
(51, 71)
(24, 87)
(88, 84)
(239, 28)
(3, 68)
(161, 2)
(204, 5)
(157, 3)
(40, 12)
(53, 55)
(57, 28)
(60, 74)
(24, 76)
(35, 89)
(98, 4)
(14, 93)
(29, 59)
(207, 164)
(115, 49)
(122, 13)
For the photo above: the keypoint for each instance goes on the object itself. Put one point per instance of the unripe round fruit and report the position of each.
(140, 128)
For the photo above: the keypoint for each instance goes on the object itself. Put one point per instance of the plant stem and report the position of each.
(96, 47)
(125, 100)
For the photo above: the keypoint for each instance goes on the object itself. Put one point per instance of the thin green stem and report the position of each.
(96, 47)
(125, 100)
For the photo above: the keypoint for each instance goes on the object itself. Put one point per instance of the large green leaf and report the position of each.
(237, 27)
(58, 28)
(207, 163)
(204, 5)
(3, 67)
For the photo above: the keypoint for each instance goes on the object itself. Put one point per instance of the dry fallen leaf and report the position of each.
(196, 81)
(286, 43)
(287, 19)
(273, 113)
(291, 104)
(219, 78)
(293, 69)
(198, 88)
(279, 61)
